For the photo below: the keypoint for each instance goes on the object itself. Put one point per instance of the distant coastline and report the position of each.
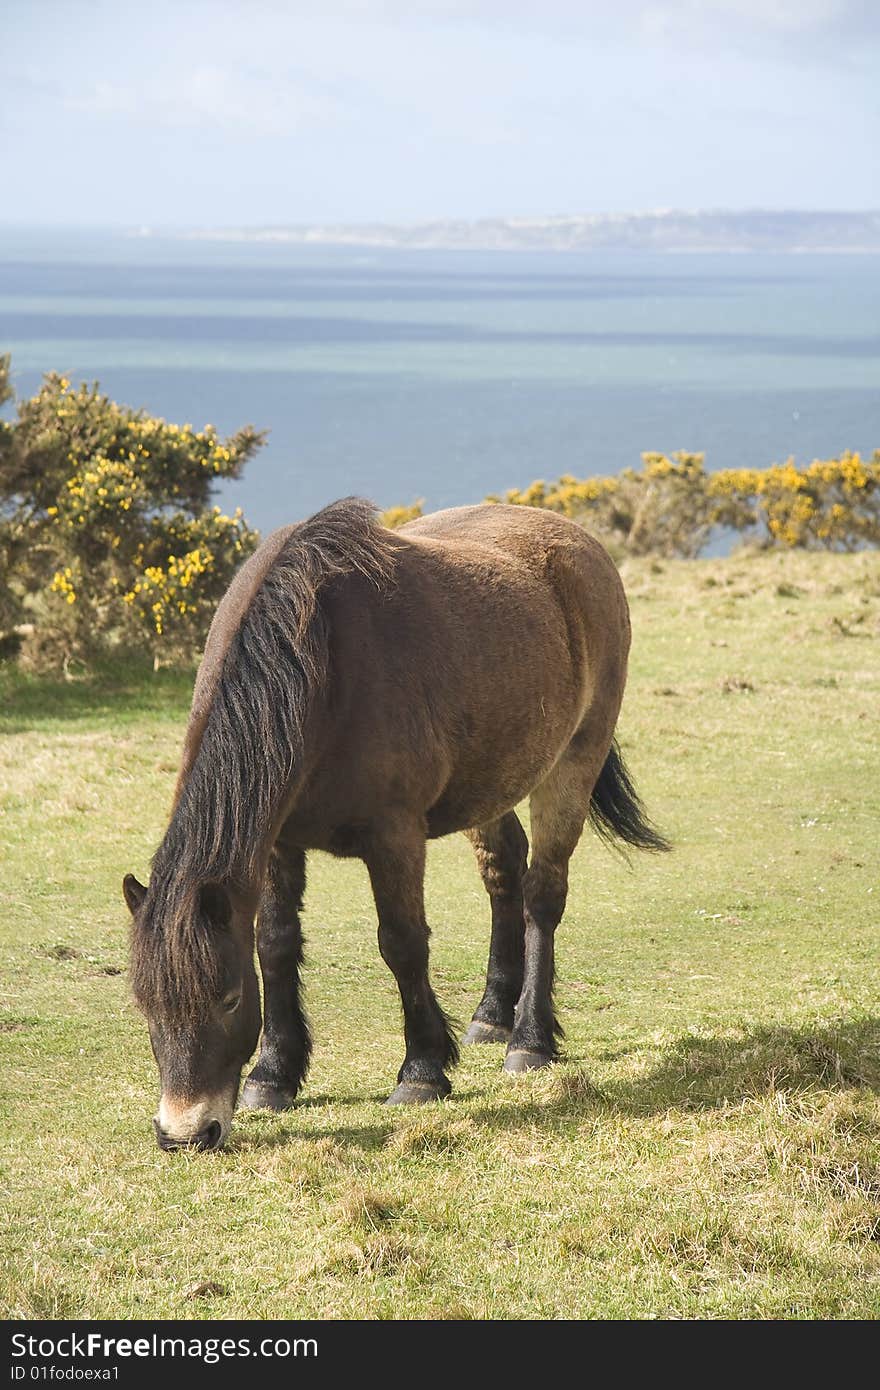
(670, 231)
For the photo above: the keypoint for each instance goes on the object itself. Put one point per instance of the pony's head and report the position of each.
(193, 978)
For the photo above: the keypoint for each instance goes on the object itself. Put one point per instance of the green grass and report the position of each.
(710, 1146)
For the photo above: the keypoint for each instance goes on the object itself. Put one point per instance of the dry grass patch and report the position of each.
(430, 1134)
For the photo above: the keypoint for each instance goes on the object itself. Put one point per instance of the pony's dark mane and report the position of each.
(274, 667)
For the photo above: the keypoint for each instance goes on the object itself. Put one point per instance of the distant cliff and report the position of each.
(642, 231)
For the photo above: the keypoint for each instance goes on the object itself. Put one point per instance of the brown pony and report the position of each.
(363, 691)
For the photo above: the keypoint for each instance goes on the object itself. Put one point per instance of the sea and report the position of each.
(449, 375)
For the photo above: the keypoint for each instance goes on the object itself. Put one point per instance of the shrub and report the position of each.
(671, 506)
(399, 516)
(107, 532)
(832, 504)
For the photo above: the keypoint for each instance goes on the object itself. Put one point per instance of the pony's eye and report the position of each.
(231, 1002)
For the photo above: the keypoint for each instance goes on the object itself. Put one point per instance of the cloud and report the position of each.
(856, 18)
(758, 20)
(825, 33)
(209, 95)
(405, 109)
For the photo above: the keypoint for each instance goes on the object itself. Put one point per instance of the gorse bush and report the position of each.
(672, 505)
(107, 532)
(398, 516)
(831, 504)
(663, 509)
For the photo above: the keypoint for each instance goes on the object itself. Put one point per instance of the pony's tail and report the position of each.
(617, 812)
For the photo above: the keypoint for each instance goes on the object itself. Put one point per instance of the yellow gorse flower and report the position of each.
(62, 583)
(161, 586)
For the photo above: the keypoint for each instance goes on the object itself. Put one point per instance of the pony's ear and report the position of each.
(133, 892)
(214, 902)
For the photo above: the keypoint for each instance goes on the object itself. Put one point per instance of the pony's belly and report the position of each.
(444, 821)
(344, 838)
(461, 807)
(494, 769)
(501, 764)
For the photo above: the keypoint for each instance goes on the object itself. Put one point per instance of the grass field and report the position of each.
(710, 1144)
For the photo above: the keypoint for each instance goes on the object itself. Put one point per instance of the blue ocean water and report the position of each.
(450, 375)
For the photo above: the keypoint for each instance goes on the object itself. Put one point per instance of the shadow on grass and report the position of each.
(695, 1073)
(122, 689)
(707, 1073)
(368, 1137)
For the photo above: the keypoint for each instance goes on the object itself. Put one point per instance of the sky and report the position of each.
(207, 113)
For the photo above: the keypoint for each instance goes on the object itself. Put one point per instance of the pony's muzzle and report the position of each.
(208, 1138)
(201, 1124)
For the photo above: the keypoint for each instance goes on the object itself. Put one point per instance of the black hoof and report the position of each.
(260, 1095)
(480, 1032)
(418, 1092)
(521, 1059)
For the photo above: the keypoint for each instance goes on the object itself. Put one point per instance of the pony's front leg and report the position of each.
(397, 872)
(284, 1053)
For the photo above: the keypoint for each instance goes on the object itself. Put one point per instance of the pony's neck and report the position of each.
(275, 664)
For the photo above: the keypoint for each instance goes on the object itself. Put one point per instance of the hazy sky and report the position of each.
(206, 112)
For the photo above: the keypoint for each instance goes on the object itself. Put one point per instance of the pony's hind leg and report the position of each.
(284, 1052)
(397, 870)
(559, 807)
(502, 851)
